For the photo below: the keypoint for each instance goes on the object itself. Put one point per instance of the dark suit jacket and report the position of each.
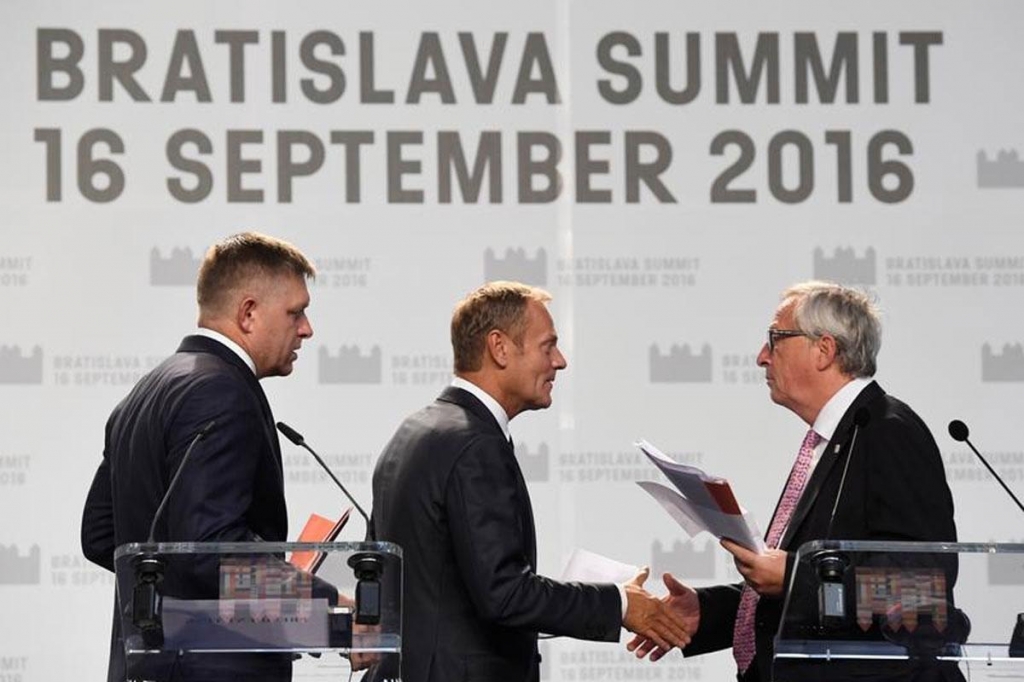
(231, 489)
(895, 489)
(449, 491)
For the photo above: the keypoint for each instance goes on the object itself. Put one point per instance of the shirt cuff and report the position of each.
(625, 602)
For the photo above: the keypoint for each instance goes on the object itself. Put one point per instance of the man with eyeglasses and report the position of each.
(819, 360)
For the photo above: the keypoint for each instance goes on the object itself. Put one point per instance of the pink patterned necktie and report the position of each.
(743, 644)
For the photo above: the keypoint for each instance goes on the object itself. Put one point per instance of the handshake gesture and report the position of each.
(763, 572)
(657, 623)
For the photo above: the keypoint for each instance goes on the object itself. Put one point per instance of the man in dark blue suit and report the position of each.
(252, 298)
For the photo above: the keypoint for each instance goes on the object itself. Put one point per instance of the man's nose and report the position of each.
(764, 357)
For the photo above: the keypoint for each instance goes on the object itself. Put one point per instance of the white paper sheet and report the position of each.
(588, 567)
(706, 503)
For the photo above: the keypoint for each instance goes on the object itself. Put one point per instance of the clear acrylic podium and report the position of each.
(205, 606)
(883, 610)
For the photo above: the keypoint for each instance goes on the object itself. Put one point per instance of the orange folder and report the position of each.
(317, 529)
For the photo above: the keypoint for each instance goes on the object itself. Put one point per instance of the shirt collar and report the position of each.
(489, 402)
(830, 415)
(232, 346)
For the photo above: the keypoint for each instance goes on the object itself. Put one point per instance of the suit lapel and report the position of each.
(530, 528)
(203, 344)
(835, 451)
(469, 402)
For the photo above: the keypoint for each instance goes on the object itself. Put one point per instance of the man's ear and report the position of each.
(496, 345)
(828, 351)
(245, 314)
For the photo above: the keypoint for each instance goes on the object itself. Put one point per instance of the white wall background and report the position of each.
(78, 282)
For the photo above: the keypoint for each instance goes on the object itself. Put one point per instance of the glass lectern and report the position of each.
(881, 610)
(185, 608)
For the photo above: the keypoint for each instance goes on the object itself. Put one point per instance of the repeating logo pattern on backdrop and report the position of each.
(845, 267)
(350, 366)
(536, 466)
(13, 668)
(680, 364)
(610, 466)
(343, 272)
(351, 468)
(73, 570)
(1006, 170)
(15, 271)
(577, 661)
(20, 568)
(17, 367)
(963, 466)
(918, 270)
(517, 266)
(179, 269)
(684, 560)
(99, 370)
(1005, 366)
(593, 271)
(14, 469)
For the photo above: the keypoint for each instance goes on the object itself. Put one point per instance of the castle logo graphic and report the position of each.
(845, 267)
(16, 569)
(350, 366)
(516, 266)
(16, 368)
(680, 365)
(684, 559)
(1006, 170)
(1006, 367)
(180, 269)
(536, 466)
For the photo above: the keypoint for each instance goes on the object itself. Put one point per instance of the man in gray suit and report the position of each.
(449, 491)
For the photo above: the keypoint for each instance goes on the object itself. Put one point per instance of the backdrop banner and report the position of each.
(665, 169)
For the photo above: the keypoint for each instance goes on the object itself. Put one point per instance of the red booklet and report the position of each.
(317, 529)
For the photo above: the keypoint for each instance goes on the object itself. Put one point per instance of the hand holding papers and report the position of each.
(706, 502)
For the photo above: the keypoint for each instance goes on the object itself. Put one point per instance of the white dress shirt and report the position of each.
(489, 402)
(830, 415)
(232, 346)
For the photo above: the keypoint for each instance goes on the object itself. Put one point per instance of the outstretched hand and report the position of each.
(684, 608)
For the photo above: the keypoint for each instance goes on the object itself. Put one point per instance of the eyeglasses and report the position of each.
(775, 335)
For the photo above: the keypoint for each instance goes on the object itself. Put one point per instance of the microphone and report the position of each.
(860, 419)
(296, 438)
(147, 602)
(367, 566)
(831, 564)
(177, 474)
(959, 431)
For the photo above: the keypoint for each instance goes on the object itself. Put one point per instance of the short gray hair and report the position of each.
(847, 315)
